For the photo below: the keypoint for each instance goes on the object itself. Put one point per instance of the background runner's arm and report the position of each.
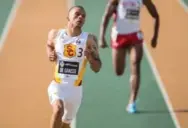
(92, 53)
(153, 12)
(50, 45)
(111, 7)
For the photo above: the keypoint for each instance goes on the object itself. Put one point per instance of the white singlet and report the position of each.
(127, 17)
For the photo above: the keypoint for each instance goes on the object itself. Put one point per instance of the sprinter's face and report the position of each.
(77, 17)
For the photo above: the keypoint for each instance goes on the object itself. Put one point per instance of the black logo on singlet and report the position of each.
(78, 41)
(69, 68)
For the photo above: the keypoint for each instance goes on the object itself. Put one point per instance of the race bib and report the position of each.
(132, 14)
(69, 68)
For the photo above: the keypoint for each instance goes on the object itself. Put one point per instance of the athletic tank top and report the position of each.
(71, 62)
(127, 16)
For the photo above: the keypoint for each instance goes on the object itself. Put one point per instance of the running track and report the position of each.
(25, 71)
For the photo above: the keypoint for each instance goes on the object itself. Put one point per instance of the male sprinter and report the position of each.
(127, 37)
(70, 49)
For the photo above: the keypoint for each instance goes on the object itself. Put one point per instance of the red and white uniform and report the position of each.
(126, 28)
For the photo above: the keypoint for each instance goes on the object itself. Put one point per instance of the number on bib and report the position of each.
(80, 52)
